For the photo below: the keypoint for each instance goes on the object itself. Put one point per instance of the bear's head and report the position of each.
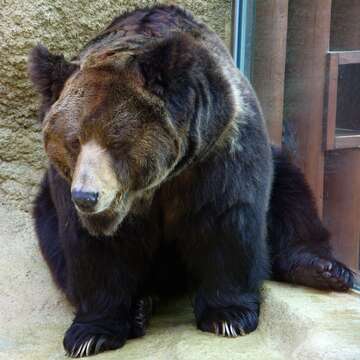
(117, 124)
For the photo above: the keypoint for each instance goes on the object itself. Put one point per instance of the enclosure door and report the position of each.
(307, 77)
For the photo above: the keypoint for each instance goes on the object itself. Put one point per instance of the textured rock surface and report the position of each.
(296, 323)
(64, 26)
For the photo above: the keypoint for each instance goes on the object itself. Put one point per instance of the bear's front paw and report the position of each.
(230, 321)
(84, 339)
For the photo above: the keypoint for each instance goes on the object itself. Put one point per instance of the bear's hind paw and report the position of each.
(323, 274)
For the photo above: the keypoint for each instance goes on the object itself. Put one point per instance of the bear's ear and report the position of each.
(164, 66)
(48, 72)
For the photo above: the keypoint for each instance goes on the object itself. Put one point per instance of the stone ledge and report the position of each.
(296, 323)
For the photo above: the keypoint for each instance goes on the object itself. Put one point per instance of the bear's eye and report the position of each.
(66, 173)
(73, 145)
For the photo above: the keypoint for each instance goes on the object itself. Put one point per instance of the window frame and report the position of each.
(243, 21)
(333, 141)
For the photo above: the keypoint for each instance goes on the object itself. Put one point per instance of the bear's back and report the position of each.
(140, 28)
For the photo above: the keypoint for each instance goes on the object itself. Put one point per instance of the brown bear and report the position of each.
(161, 180)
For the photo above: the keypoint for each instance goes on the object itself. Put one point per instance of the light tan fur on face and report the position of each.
(94, 172)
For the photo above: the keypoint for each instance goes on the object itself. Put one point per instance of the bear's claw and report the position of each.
(228, 330)
(141, 314)
(87, 348)
(85, 339)
(228, 322)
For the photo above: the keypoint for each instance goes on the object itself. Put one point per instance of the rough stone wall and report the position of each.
(63, 26)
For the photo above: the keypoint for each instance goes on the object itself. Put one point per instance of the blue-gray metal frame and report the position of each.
(242, 34)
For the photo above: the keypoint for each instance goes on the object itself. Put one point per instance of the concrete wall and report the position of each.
(64, 26)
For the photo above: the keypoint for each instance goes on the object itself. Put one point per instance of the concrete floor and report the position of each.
(296, 323)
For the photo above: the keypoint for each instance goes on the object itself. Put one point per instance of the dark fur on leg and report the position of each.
(225, 251)
(104, 292)
(46, 226)
(300, 247)
(231, 274)
(100, 276)
(140, 314)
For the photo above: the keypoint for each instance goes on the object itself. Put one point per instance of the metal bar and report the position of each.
(235, 29)
(243, 21)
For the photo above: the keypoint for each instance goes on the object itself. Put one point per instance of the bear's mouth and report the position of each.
(106, 221)
(89, 212)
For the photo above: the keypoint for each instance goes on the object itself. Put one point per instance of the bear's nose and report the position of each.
(85, 200)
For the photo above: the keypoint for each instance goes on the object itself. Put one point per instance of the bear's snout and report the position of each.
(85, 200)
(94, 184)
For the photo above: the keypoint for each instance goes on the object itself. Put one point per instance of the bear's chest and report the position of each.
(177, 200)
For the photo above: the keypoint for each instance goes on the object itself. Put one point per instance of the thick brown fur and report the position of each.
(160, 181)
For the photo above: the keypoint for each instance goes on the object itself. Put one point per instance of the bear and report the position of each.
(161, 180)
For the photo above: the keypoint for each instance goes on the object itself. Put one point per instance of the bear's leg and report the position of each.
(103, 279)
(299, 243)
(46, 227)
(229, 263)
(140, 314)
